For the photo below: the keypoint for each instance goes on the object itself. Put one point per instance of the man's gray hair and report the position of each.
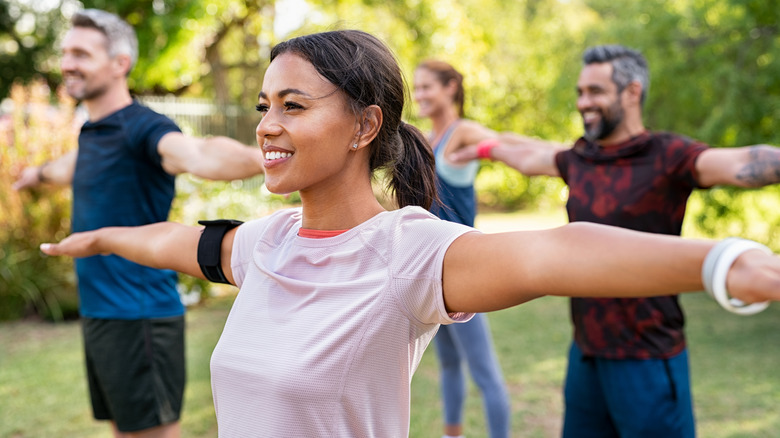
(119, 34)
(628, 65)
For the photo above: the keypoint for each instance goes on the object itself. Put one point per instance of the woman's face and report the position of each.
(307, 129)
(430, 94)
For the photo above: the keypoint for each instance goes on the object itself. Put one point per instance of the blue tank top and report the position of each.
(455, 185)
(119, 181)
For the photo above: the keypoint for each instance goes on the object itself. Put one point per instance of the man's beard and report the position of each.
(87, 92)
(606, 125)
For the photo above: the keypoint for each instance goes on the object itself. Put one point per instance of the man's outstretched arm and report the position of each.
(747, 166)
(59, 171)
(529, 156)
(215, 158)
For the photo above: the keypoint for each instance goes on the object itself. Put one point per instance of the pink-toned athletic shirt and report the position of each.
(325, 334)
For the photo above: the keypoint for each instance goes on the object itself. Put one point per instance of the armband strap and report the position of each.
(210, 248)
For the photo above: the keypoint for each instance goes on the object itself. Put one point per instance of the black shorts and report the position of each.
(135, 370)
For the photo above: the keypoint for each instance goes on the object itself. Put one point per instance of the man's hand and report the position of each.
(58, 171)
(28, 177)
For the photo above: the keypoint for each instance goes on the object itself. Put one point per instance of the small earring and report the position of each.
(354, 146)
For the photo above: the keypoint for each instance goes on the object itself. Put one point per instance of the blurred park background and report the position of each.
(714, 68)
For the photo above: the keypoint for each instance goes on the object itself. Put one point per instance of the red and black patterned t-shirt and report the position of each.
(642, 184)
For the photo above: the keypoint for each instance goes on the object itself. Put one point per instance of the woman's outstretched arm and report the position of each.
(163, 245)
(484, 272)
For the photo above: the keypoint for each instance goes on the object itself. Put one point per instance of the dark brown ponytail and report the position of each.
(413, 177)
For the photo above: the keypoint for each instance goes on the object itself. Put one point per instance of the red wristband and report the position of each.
(485, 146)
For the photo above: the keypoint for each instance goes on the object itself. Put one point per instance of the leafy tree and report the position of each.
(207, 48)
(27, 37)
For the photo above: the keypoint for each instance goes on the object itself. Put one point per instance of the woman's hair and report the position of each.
(366, 71)
(445, 73)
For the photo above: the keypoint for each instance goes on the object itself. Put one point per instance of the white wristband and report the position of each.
(716, 267)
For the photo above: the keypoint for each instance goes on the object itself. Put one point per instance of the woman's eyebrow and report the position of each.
(285, 92)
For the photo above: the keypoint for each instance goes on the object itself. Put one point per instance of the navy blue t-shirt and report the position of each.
(119, 181)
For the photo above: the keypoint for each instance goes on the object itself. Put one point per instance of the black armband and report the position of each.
(210, 248)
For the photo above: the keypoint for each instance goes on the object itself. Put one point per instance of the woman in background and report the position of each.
(439, 94)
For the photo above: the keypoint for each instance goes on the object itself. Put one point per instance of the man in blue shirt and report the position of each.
(123, 175)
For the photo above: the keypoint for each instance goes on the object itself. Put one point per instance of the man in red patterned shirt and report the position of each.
(628, 370)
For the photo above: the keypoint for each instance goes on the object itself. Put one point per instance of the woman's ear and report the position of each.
(370, 124)
(452, 88)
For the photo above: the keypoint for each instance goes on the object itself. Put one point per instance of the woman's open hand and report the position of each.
(76, 245)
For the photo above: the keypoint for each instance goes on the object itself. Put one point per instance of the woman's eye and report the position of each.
(292, 106)
(261, 108)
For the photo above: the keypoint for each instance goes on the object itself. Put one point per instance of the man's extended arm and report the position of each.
(59, 171)
(215, 158)
(748, 166)
(529, 156)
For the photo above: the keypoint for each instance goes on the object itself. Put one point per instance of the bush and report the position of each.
(36, 129)
(729, 211)
(502, 188)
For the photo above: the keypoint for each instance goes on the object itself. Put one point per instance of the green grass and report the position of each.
(734, 362)
(43, 389)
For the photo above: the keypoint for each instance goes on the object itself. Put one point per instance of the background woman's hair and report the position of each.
(446, 73)
(366, 71)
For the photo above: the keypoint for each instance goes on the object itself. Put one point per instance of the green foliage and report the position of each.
(206, 48)
(503, 188)
(714, 69)
(27, 37)
(31, 283)
(727, 211)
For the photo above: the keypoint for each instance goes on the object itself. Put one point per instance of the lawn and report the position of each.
(734, 362)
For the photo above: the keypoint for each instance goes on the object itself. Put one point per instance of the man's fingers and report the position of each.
(49, 249)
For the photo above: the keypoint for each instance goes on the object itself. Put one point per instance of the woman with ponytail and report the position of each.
(439, 94)
(340, 297)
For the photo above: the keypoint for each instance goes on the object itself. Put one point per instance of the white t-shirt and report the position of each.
(325, 334)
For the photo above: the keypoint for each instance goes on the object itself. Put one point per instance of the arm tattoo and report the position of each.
(762, 168)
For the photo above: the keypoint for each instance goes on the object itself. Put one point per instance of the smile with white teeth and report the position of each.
(275, 155)
(589, 116)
